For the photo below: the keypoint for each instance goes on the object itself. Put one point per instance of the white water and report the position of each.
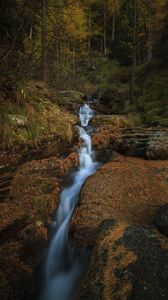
(86, 113)
(64, 268)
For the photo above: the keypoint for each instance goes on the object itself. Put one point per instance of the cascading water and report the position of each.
(64, 268)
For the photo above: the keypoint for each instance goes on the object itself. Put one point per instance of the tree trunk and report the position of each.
(104, 30)
(74, 62)
(89, 37)
(57, 56)
(43, 36)
(113, 27)
(149, 35)
(133, 75)
(101, 44)
(61, 56)
(31, 32)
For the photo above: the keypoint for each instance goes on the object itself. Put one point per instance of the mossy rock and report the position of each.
(129, 262)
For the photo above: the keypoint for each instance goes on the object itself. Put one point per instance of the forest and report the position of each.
(81, 43)
(84, 149)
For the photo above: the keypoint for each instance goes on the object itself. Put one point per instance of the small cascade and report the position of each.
(85, 114)
(64, 268)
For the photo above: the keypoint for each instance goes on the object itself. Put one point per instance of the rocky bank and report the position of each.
(25, 219)
(128, 262)
(128, 189)
(114, 218)
(122, 216)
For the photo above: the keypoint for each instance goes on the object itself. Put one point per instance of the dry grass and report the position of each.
(31, 120)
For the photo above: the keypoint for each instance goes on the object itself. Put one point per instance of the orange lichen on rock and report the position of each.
(128, 262)
(104, 136)
(125, 258)
(25, 218)
(127, 189)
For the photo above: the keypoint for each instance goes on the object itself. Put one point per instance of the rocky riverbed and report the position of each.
(26, 212)
(115, 216)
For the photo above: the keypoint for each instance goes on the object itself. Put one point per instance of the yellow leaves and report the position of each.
(114, 6)
(65, 22)
(74, 21)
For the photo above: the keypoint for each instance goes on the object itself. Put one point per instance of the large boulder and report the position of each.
(127, 189)
(70, 100)
(149, 143)
(158, 145)
(129, 262)
(161, 219)
(103, 139)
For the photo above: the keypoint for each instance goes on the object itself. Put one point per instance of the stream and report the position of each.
(65, 268)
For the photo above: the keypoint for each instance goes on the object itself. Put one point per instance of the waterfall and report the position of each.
(64, 268)
(85, 114)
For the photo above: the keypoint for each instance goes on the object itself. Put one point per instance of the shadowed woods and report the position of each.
(68, 228)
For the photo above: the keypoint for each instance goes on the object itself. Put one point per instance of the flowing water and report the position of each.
(65, 268)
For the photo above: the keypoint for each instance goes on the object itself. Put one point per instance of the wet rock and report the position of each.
(149, 143)
(71, 100)
(161, 219)
(54, 145)
(129, 262)
(19, 120)
(103, 140)
(76, 95)
(14, 272)
(25, 217)
(118, 121)
(158, 145)
(127, 189)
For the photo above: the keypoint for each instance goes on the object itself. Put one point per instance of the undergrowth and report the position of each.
(110, 83)
(32, 115)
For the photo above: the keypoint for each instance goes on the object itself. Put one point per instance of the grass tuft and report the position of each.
(32, 117)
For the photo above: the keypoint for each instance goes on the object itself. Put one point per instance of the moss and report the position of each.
(153, 101)
(118, 121)
(110, 83)
(39, 202)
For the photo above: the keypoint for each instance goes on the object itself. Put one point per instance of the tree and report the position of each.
(134, 63)
(114, 9)
(162, 44)
(43, 40)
